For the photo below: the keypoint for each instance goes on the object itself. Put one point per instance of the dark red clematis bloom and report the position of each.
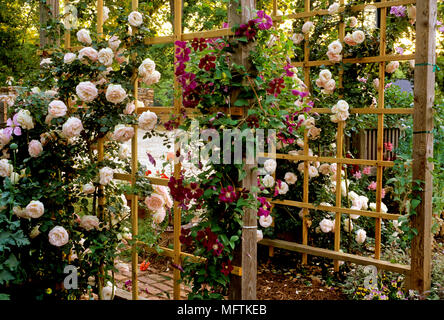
(275, 86)
(185, 237)
(226, 267)
(207, 237)
(177, 190)
(207, 63)
(199, 44)
(194, 192)
(253, 121)
(228, 194)
(217, 248)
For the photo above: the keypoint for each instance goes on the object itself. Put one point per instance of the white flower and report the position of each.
(290, 178)
(360, 236)
(147, 120)
(354, 216)
(123, 133)
(392, 66)
(124, 151)
(45, 62)
(268, 181)
(86, 91)
(106, 175)
(364, 201)
(335, 47)
(105, 56)
(14, 177)
(300, 142)
(89, 222)
(270, 166)
(69, 58)
(309, 123)
(326, 225)
(88, 188)
(58, 236)
(4, 138)
(353, 195)
(334, 8)
(109, 291)
(297, 38)
(105, 13)
(324, 168)
(20, 212)
(84, 37)
(353, 22)
(89, 52)
(307, 27)
(348, 225)
(259, 235)
(57, 109)
(342, 106)
(283, 188)
(152, 78)
(147, 68)
(358, 36)
(35, 148)
(325, 75)
(72, 127)
(312, 172)
(25, 120)
(114, 42)
(135, 19)
(115, 93)
(5, 168)
(265, 221)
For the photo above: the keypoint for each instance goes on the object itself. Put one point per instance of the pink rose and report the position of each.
(88, 52)
(159, 216)
(147, 120)
(372, 186)
(106, 175)
(35, 148)
(72, 127)
(57, 109)
(392, 67)
(334, 57)
(163, 191)
(84, 37)
(123, 133)
(115, 93)
(114, 42)
(35, 209)
(58, 236)
(324, 168)
(348, 39)
(86, 91)
(89, 222)
(154, 202)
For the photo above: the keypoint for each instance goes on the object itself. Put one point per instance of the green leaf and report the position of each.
(415, 203)
(241, 103)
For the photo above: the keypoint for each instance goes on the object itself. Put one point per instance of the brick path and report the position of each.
(153, 284)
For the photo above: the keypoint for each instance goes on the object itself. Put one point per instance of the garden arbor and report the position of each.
(419, 270)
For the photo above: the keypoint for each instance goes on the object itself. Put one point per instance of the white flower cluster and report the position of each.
(340, 111)
(326, 82)
(148, 72)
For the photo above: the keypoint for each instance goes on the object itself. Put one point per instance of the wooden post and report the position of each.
(45, 16)
(177, 165)
(245, 287)
(423, 142)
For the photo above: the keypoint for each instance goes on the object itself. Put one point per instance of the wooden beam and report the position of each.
(424, 93)
(291, 246)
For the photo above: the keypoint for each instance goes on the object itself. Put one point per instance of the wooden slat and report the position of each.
(167, 252)
(291, 246)
(376, 59)
(328, 159)
(367, 110)
(374, 214)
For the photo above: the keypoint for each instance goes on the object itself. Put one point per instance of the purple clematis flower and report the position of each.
(264, 22)
(302, 94)
(13, 127)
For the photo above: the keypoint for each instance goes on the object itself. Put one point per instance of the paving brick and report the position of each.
(163, 286)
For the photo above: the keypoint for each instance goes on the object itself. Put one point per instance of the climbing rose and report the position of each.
(360, 236)
(154, 202)
(265, 221)
(135, 19)
(307, 27)
(268, 181)
(392, 66)
(152, 78)
(5, 168)
(86, 91)
(115, 93)
(326, 225)
(88, 188)
(106, 175)
(35, 148)
(114, 42)
(335, 47)
(290, 178)
(35, 209)
(58, 236)
(123, 133)
(334, 8)
(270, 166)
(89, 52)
(72, 127)
(353, 22)
(84, 37)
(69, 58)
(24, 119)
(105, 56)
(57, 109)
(146, 68)
(159, 216)
(89, 222)
(358, 36)
(147, 120)
(282, 187)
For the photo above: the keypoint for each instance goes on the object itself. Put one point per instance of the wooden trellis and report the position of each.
(303, 248)
(418, 274)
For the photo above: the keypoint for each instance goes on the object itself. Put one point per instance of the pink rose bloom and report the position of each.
(367, 170)
(372, 186)
(115, 93)
(57, 109)
(357, 175)
(35, 209)
(324, 168)
(89, 222)
(4, 138)
(392, 66)
(88, 52)
(159, 216)
(114, 42)
(72, 127)
(382, 193)
(35, 148)
(130, 107)
(123, 133)
(348, 39)
(333, 57)
(163, 191)
(86, 91)
(154, 202)
(58, 236)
